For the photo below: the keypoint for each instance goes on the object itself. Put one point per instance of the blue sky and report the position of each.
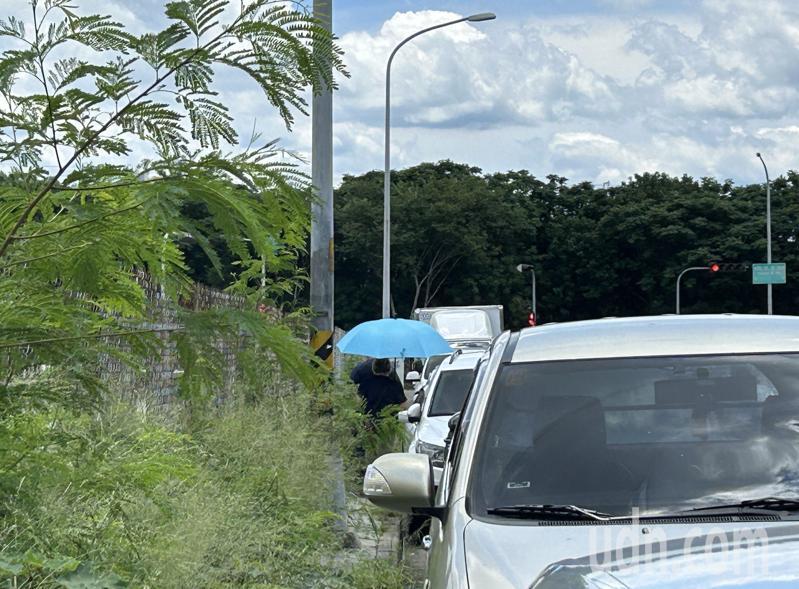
(366, 14)
(592, 90)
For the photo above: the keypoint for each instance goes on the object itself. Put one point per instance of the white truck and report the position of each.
(464, 327)
(463, 324)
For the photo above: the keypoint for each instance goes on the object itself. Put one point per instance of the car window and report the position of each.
(654, 434)
(432, 363)
(468, 408)
(450, 392)
(457, 447)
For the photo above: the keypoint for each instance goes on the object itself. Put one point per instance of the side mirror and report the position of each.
(413, 377)
(402, 416)
(400, 482)
(453, 424)
(414, 413)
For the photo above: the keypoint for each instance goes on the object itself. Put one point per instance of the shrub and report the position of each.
(234, 497)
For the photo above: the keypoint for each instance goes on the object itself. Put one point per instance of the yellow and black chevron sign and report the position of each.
(322, 344)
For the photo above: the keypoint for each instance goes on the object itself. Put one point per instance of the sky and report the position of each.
(594, 90)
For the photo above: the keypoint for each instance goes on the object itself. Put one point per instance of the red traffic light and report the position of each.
(531, 319)
(729, 266)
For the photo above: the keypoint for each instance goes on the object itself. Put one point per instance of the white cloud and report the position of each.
(133, 20)
(599, 44)
(707, 95)
(586, 95)
(461, 74)
(612, 160)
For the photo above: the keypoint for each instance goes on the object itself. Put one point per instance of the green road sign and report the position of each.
(768, 273)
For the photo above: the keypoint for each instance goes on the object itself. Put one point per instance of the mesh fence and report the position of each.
(155, 381)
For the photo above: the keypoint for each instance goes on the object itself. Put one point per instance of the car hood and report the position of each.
(433, 430)
(756, 555)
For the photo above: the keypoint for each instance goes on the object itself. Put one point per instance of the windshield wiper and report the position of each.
(770, 503)
(548, 512)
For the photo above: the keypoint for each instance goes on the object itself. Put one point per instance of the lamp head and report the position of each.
(481, 17)
(757, 154)
(523, 267)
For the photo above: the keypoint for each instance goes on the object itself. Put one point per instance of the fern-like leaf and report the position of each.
(209, 120)
(101, 33)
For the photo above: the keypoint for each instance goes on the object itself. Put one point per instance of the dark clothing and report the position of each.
(378, 391)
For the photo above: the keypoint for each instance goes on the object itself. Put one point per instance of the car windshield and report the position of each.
(432, 363)
(450, 392)
(652, 436)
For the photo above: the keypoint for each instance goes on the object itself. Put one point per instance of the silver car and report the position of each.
(618, 453)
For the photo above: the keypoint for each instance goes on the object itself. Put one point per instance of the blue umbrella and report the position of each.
(394, 338)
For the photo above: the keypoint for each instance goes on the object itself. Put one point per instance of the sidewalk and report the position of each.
(379, 533)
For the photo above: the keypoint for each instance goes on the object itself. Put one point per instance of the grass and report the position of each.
(237, 496)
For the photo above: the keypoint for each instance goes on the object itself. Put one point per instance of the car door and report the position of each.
(446, 565)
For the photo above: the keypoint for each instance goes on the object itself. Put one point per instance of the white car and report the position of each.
(440, 398)
(618, 453)
(419, 380)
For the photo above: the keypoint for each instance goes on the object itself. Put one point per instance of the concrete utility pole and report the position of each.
(322, 245)
(322, 208)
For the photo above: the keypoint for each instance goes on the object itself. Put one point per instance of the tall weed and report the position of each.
(237, 496)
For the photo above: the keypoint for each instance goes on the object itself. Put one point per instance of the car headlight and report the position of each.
(436, 453)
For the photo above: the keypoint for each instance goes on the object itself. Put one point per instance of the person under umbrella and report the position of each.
(378, 385)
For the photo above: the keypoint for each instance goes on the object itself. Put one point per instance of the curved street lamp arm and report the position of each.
(422, 32)
(760, 157)
(397, 48)
(689, 270)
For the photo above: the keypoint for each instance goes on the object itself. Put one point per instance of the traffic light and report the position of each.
(729, 266)
(531, 319)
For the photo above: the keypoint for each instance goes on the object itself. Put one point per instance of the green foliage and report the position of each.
(95, 493)
(378, 574)
(74, 240)
(455, 237)
(232, 497)
(360, 437)
(458, 235)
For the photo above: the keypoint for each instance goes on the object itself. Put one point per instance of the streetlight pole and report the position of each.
(387, 163)
(522, 268)
(768, 229)
(679, 278)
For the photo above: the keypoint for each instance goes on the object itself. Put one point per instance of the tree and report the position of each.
(597, 252)
(450, 226)
(86, 226)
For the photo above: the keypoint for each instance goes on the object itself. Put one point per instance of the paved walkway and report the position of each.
(378, 532)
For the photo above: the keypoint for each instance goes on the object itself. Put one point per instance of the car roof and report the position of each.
(667, 335)
(461, 360)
